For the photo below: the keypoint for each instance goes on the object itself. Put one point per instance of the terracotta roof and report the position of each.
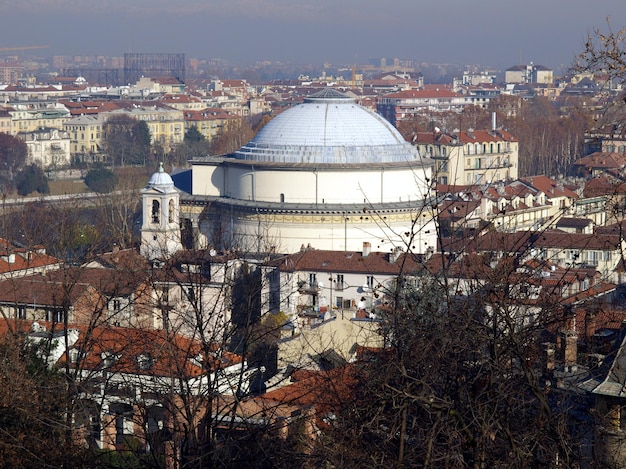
(439, 92)
(549, 186)
(523, 240)
(327, 391)
(168, 354)
(15, 259)
(351, 261)
(602, 160)
(603, 185)
(37, 290)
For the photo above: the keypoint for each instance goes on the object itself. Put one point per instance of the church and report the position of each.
(325, 174)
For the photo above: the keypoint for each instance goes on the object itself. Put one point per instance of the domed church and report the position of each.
(327, 173)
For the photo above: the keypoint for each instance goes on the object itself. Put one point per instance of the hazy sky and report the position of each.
(499, 33)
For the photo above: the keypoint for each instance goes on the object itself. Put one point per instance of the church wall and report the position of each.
(312, 186)
(288, 233)
(207, 180)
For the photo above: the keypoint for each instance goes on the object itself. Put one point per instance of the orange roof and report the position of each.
(439, 92)
(149, 352)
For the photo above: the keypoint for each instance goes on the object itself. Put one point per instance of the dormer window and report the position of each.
(144, 361)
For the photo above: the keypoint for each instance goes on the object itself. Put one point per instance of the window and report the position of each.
(312, 280)
(191, 294)
(156, 208)
(339, 282)
(165, 295)
(54, 316)
(171, 211)
(21, 312)
(369, 280)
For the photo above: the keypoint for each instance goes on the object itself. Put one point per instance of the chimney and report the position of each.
(548, 349)
(367, 248)
(395, 254)
(570, 342)
(590, 325)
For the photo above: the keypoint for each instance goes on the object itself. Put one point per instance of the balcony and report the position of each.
(305, 288)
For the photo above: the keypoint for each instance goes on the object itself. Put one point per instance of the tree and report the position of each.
(603, 53)
(193, 135)
(13, 154)
(604, 56)
(31, 415)
(457, 384)
(101, 180)
(231, 138)
(127, 141)
(31, 179)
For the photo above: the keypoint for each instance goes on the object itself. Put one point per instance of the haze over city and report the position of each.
(489, 32)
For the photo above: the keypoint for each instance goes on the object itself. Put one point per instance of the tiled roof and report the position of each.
(424, 94)
(349, 262)
(550, 187)
(602, 160)
(169, 354)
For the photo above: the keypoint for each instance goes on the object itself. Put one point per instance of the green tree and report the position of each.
(101, 180)
(13, 153)
(32, 179)
(193, 135)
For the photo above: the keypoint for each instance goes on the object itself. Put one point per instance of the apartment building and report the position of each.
(209, 122)
(34, 115)
(471, 156)
(406, 105)
(48, 148)
(85, 132)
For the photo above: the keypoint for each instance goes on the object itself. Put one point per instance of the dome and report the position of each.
(160, 178)
(329, 127)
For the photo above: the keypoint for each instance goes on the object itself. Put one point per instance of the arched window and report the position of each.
(282, 198)
(170, 212)
(156, 209)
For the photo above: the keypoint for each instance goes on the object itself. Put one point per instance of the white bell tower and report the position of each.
(160, 230)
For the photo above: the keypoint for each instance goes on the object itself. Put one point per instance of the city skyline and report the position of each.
(303, 31)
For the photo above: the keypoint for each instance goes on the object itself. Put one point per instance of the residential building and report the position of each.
(210, 122)
(86, 134)
(10, 72)
(160, 85)
(406, 105)
(48, 148)
(18, 261)
(32, 116)
(471, 156)
(529, 73)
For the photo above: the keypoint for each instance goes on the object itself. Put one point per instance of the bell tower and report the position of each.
(160, 228)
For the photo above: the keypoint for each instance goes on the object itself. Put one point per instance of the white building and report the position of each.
(48, 148)
(327, 173)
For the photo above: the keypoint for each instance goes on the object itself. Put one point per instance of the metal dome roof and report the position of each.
(329, 127)
(160, 178)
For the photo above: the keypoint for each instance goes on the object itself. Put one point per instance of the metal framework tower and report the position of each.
(155, 65)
